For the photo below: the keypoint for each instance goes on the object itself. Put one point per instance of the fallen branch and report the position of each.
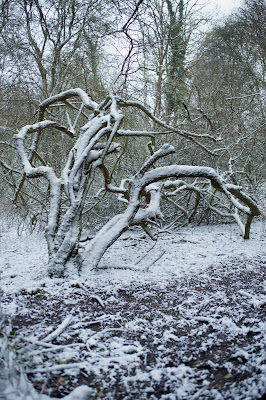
(92, 340)
(155, 261)
(57, 367)
(93, 296)
(147, 252)
(38, 342)
(59, 330)
(55, 348)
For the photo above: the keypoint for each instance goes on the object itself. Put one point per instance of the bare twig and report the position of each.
(155, 261)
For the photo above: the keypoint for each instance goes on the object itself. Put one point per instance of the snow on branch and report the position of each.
(95, 139)
(86, 100)
(144, 182)
(42, 125)
(233, 193)
(187, 171)
(202, 193)
(165, 150)
(152, 211)
(58, 330)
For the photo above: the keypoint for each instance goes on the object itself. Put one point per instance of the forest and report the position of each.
(132, 200)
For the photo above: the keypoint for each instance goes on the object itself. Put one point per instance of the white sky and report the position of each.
(225, 6)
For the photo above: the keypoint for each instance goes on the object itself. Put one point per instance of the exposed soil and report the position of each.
(198, 337)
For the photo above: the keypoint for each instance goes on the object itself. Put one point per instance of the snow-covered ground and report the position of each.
(182, 318)
(23, 259)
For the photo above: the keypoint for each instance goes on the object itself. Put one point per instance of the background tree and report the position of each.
(138, 49)
(229, 90)
(175, 88)
(44, 47)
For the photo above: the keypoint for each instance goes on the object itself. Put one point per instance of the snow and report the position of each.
(87, 101)
(23, 258)
(137, 274)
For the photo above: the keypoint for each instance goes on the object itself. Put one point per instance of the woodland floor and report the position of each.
(194, 335)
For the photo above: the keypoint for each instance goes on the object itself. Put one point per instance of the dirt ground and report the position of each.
(197, 337)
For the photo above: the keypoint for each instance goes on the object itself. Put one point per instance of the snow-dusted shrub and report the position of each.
(96, 131)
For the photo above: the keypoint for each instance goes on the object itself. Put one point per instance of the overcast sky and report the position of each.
(225, 6)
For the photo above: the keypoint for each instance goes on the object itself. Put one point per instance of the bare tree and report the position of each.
(96, 138)
(45, 47)
(4, 7)
(232, 60)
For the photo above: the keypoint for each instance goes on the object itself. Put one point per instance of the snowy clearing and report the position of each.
(183, 318)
